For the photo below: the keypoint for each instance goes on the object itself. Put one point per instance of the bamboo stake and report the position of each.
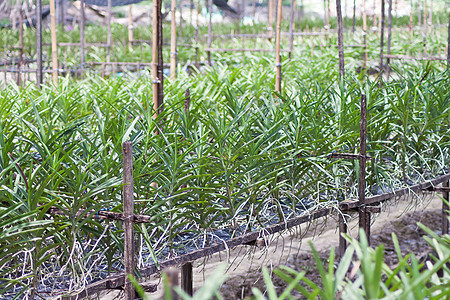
(61, 14)
(128, 211)
(291, 28)
(364, 66)
(374, 24)
(54, 44)
(277, 48)
(342, 230)
(181, 18)
(38, 43)
(82, 37)
(197, 50)
(425, 29)
(389, 38)
(340, 42)
(270, 23)
(448, 45)
(155, 59)
(445, 208)
(130, 27)
(19, 76)
(173, 41)
(382, 37)
(354, 16)
(187, 279)
(209, 30)
(364, 215)
(411, 20)
(108, 38)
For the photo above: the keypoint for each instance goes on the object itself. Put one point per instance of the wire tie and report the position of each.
(278, 65)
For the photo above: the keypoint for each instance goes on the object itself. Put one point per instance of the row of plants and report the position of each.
(240, 158)
(69, 57)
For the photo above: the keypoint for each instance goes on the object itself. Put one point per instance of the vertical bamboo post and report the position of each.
(173, 41)
(172, 280)
(155, 59)
(130, 26)
(342, 230)
(277, 48)
(354, 16)
(191, 8)
(108, 38)
(364, 34)
(38, 43)
(389, 38)
(448, 45)
(374, 23)
(291, 28)
(445, 208)
(187, 100)
(209, 30)
(364, 215)
(270, 21)
(128, 212)
(187, 279)
(382, 37)
(61, 14)
(328, 15)
(197, 50)
(340, 42)
(82, 37)
(181, 18)
(425, 27)
(411, 20)
(430, 22)
(19, 74)
(54, 45)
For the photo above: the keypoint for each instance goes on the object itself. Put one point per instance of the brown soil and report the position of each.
(406, 229)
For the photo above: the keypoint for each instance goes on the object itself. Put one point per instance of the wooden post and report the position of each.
(291, 28)
(382, 38)
(187, 100)
(445, 208)
(411, 20)
(186, 278)
(448, 45)
(82, 37)
(389, 38)
(38, 43)
(277, 48)
(364, 66)
(340, 42)
(364, 215)
(61, 14)
(354, 16)
(157, 60)
(209, 30)
(19, 75)
(342, 230)
(173, 41)
(172, 280)
(425, 28)
(54, 44)
(130, 27)
(197, 50)
(270, 21)
(128, 212)
(181, 18)
(108, 38)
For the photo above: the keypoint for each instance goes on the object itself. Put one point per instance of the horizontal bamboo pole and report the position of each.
(242, 50)
(351, 204)
(406, 57)
(116, 281)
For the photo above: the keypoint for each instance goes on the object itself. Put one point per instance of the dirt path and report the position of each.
(292, 248)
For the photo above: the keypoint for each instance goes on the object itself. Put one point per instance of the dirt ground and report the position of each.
(291, 248)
